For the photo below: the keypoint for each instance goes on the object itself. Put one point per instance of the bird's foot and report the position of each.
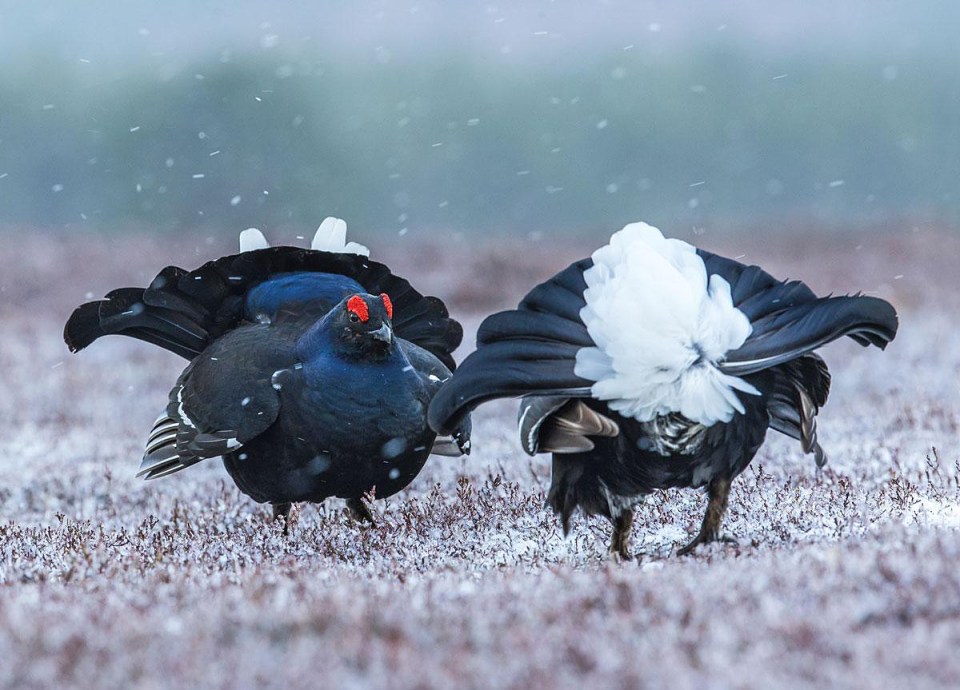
(281, 511)
(620, 542)
(704, 537)
(360, 511)
(718, 492)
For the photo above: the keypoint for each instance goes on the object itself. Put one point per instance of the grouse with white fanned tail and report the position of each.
(653, 365)
(310, 371)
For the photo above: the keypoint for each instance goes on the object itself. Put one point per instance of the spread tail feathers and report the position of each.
(651, 326)
(184, 330)
(183, 311)
(531, 349)
(797, 330)
(331, 236)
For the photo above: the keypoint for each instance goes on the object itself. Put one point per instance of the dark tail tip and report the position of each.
(83, 326)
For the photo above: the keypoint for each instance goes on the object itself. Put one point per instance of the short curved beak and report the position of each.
(384, 333)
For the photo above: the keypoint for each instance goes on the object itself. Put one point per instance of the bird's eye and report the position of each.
(354, 318)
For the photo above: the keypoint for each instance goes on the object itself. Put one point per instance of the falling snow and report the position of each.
(843, 578)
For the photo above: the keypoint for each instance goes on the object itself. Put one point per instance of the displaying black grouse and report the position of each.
(310, 370)
(653, 365)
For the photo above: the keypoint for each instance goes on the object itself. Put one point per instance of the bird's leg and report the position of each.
(718, 492)
(282, 510)
(359, 511)
(620, 542)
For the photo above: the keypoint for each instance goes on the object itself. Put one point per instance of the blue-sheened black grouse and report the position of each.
(310, 369)
(652, 365)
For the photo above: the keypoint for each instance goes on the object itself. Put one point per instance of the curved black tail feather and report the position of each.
(183, 311)
(797, 330)
(531, 349)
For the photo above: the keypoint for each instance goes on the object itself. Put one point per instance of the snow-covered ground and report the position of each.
(843, 578)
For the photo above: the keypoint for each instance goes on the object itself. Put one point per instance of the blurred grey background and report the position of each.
(477, 117)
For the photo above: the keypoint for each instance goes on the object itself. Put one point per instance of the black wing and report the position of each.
(222, 400)
(433, 373)
(561, 425)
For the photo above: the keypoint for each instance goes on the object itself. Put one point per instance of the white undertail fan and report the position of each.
(652, 326)
(252, 239)
(331, 236)
(661, 328)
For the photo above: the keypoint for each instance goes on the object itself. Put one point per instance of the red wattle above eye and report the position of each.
(387, 304)
(356, 305)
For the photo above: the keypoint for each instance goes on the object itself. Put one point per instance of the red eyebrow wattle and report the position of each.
(357, 306)
(387, 304)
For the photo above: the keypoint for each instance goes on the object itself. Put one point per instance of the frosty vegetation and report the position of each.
(845, 577)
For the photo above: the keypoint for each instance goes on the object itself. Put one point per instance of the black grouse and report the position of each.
(653, 365)
(310, 369)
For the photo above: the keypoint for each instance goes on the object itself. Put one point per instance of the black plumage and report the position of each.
(310, 372)
(605, 462)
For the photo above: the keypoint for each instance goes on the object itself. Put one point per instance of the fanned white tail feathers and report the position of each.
(331, 236)
(252, 239)
(660, 328)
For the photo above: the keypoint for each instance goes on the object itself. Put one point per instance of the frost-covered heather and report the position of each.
(845, 578)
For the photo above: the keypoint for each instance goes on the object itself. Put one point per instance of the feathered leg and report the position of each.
(359, 511)
(620, 542)
(282, 510)
(718, 492)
